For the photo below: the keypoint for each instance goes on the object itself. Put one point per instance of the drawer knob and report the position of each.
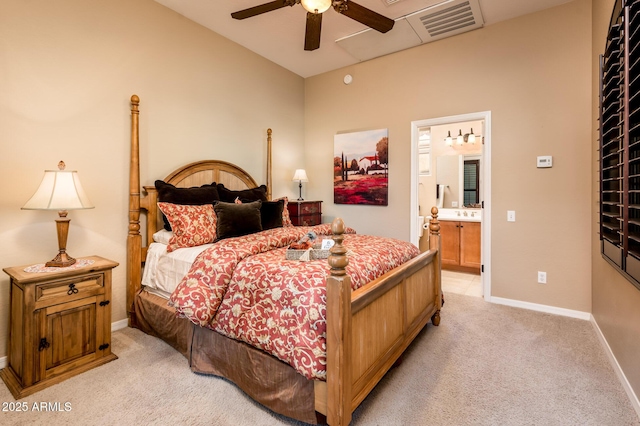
(104, 303)
(43, 344)
(104, 346)
(72, 289)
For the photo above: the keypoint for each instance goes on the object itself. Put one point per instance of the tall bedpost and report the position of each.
(434, 244)
(269, 131)
(134, 239)
(338, 332)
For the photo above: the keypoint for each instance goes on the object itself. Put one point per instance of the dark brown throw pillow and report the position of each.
(271, 214)
(195, 196)
(253, 194)
(235, 220)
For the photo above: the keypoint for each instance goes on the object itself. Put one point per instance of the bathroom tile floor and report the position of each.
(461, 283)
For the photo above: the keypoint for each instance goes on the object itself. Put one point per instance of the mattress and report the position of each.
(163, 271)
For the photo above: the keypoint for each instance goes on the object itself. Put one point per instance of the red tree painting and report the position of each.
(360, 168)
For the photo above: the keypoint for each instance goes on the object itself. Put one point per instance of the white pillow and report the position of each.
(162, 236)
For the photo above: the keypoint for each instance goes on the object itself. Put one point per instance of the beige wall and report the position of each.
(68, 69)
(616, 302)
(533, 74)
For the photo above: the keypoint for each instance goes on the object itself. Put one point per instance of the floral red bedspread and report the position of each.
(245, 289)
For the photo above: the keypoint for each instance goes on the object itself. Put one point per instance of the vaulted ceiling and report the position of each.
(279, 35)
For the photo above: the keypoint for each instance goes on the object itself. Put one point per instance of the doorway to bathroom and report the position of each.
(451, 169)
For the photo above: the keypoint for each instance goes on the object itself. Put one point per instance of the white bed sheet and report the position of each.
(163, 271)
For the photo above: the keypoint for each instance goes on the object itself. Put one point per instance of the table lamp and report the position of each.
(301, 176)
(60, 190)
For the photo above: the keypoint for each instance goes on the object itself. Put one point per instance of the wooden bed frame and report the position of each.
(367, 329)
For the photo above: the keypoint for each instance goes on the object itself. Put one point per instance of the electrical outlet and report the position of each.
(542, 277)
(511, 216)
(454, 204)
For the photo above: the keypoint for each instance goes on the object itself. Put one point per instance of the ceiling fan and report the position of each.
(315, 9)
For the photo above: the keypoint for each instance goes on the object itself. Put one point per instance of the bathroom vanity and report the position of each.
(460, 236)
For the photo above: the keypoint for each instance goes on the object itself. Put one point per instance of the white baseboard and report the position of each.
(633, 398)
(542, 308)
(118, 325)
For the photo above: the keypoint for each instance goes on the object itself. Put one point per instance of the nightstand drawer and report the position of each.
(69, 290)
(310, 208)
(310, 220)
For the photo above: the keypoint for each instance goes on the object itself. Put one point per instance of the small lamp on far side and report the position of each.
(301, 176)
(60, 190)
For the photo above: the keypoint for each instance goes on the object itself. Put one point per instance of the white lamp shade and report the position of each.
(300, 175)
(59, 190)
(316, 6)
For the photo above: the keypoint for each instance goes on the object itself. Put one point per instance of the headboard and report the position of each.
(194, 174)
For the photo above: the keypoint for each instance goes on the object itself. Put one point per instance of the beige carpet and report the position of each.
(484, 365)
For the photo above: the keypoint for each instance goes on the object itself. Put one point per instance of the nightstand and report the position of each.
(305, 213)
(60, 324)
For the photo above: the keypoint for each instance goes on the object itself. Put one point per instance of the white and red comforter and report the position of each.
(244, 288)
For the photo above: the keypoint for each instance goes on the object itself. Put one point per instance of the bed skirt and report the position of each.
(266, 379)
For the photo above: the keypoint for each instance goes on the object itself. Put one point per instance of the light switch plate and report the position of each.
(511, 216)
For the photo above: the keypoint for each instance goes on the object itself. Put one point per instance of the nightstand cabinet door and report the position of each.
(305, 213)
(72, 336)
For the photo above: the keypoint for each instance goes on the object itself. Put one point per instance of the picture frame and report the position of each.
(361, 168)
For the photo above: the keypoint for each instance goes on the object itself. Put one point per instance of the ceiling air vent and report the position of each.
(433, 23)
(446, 19)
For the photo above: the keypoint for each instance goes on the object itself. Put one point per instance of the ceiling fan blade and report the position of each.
(365, 16)
(312, 33)
(263, 8)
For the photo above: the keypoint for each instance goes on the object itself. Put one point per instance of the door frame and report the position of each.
(486, 185)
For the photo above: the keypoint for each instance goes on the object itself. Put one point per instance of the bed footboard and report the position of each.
(370, 328)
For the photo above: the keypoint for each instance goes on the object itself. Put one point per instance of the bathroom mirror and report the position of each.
(460, 175)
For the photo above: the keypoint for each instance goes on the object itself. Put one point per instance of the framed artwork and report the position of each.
(360, 168)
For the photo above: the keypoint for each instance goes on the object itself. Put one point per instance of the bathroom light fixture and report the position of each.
(448, 139)
(471, 138)
(461, 139)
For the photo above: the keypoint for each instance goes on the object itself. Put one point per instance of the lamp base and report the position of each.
(62, 229)
(61, 260)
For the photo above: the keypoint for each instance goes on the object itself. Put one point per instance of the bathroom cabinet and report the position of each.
(461, 242)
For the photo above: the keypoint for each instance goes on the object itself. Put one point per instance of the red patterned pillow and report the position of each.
(192, 225)
(286, 220)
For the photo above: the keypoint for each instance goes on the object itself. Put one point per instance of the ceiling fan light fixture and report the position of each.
(316, 6)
